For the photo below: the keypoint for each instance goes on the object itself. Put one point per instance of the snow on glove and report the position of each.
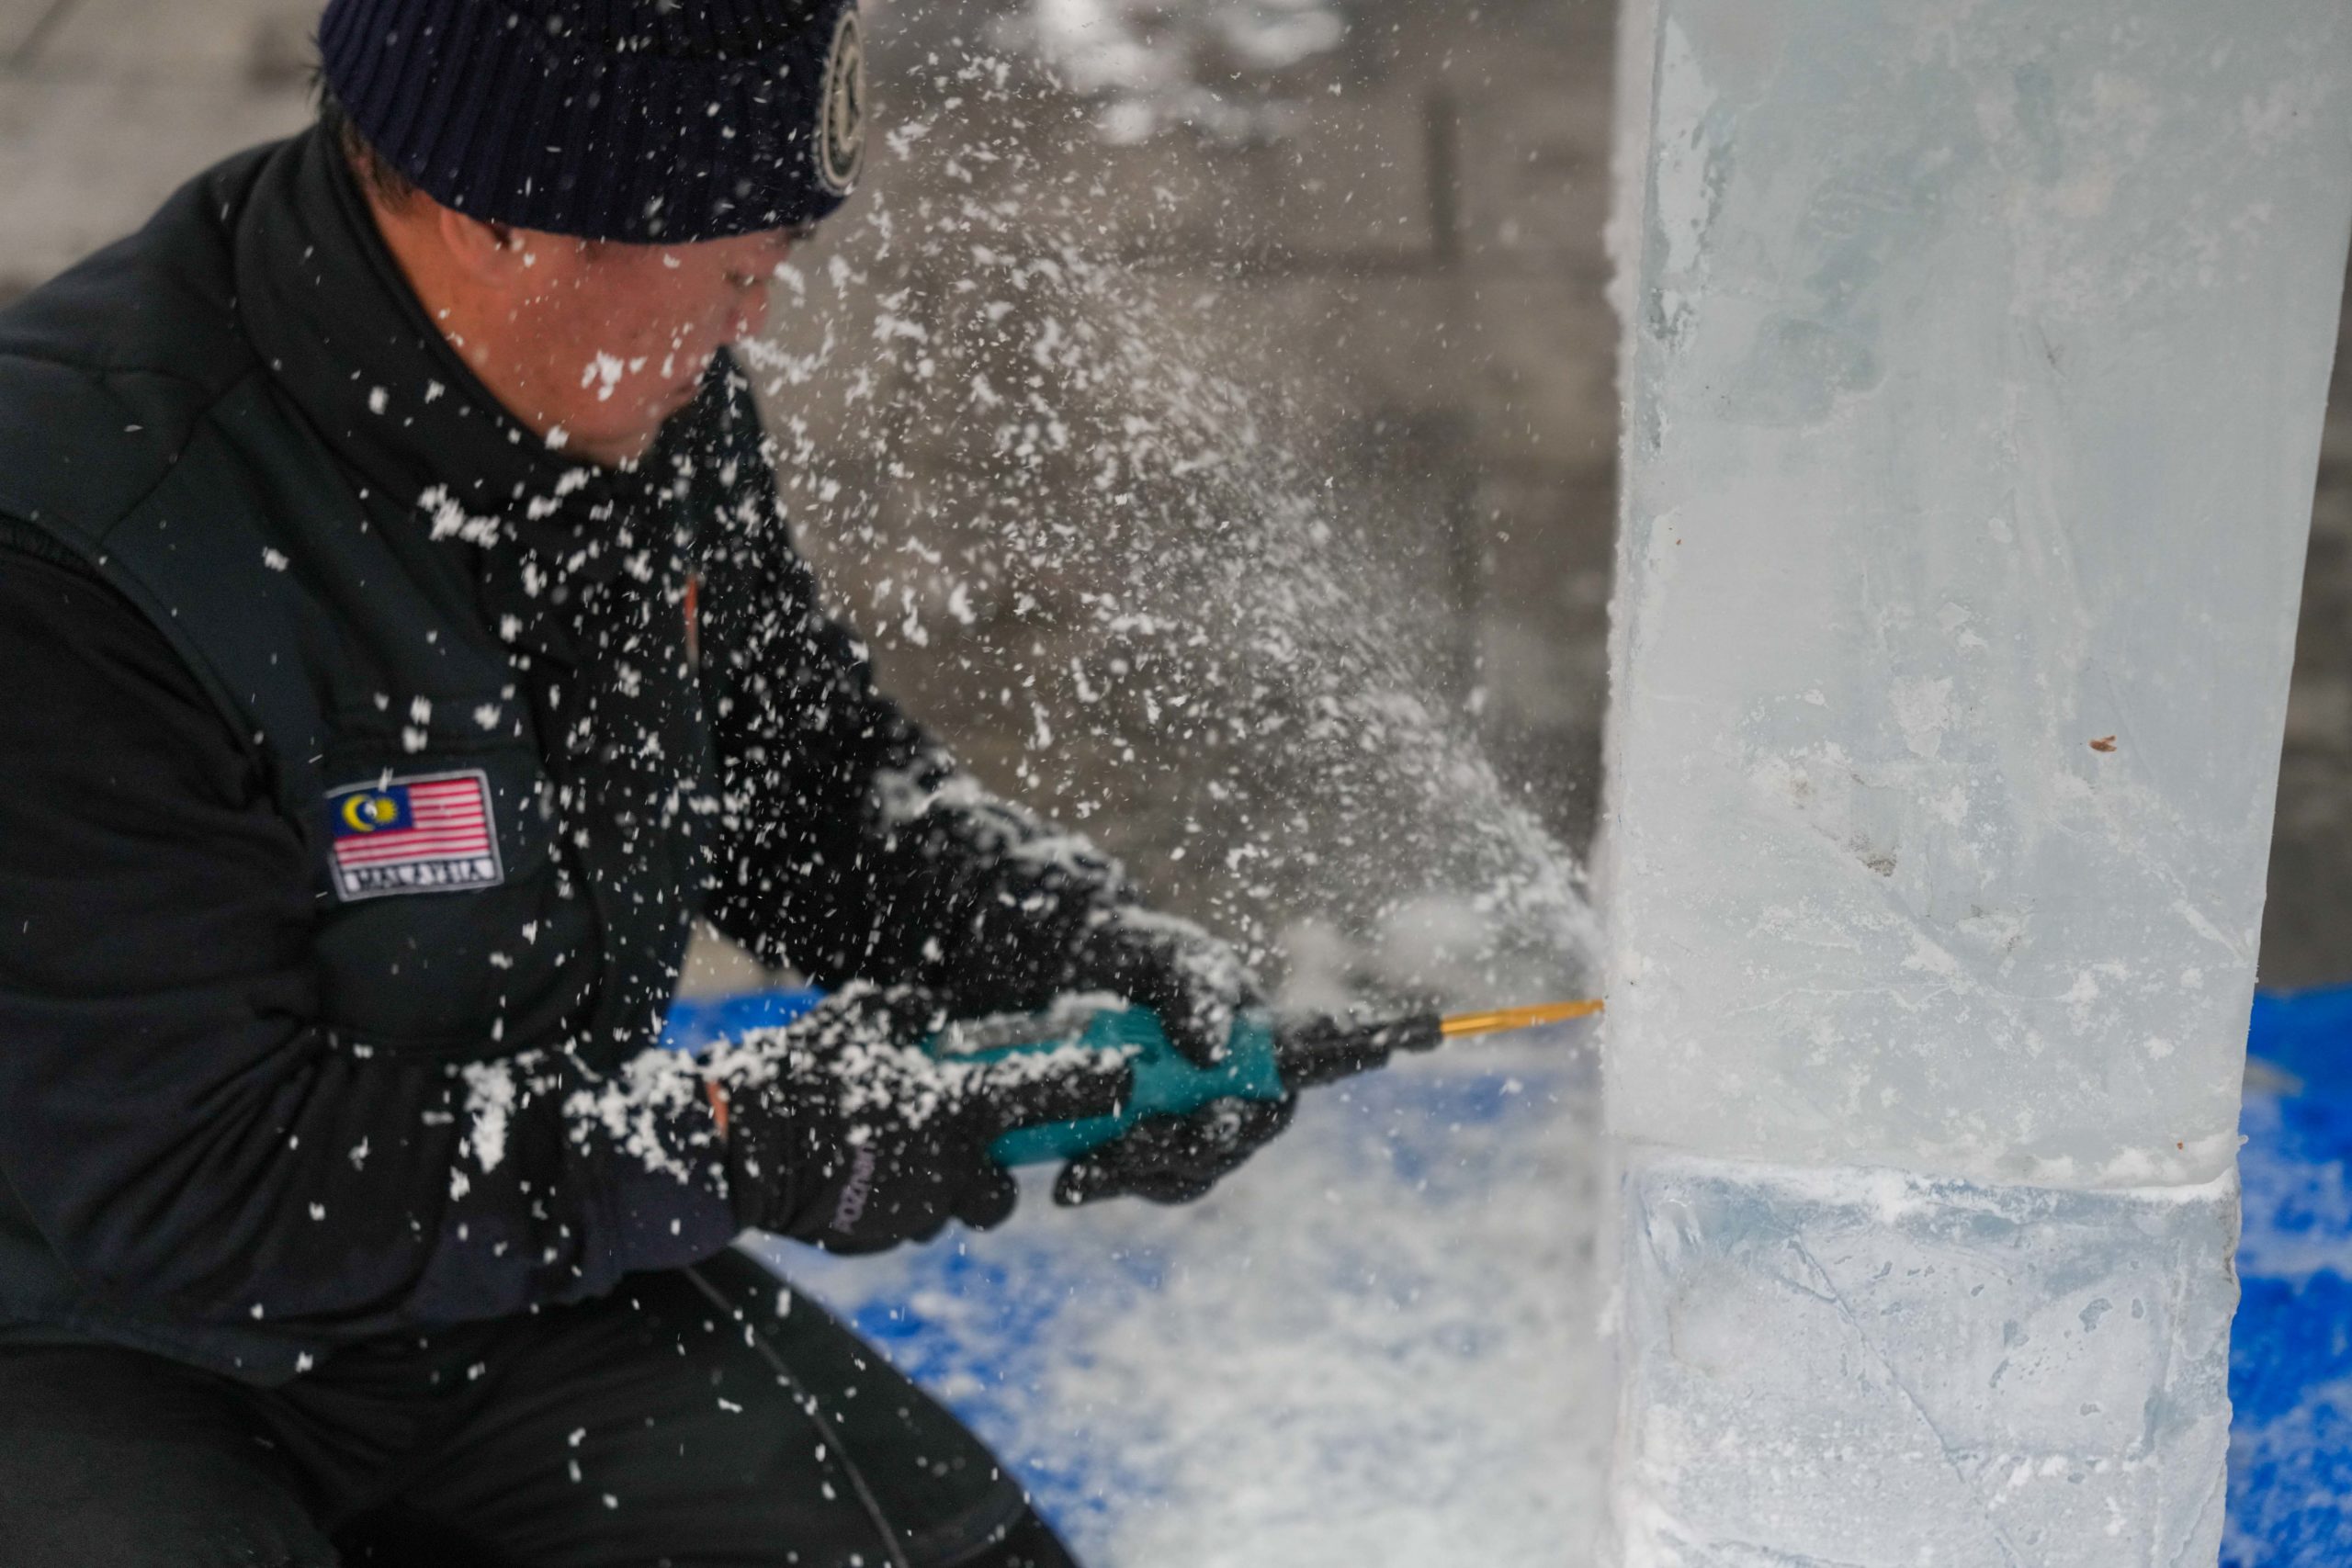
(844, 1132)
(1195, 982)
(1175, 1159)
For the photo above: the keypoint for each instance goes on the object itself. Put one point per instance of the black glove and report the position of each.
(843, 1130)
(1195, 982)
(1175, 1159)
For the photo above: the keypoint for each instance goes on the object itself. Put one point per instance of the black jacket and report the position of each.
(363, 766)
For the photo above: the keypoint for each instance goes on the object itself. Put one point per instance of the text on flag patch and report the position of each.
(432, 834)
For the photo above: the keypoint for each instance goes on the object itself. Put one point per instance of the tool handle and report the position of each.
(1165, 1081)
(1263, 1060)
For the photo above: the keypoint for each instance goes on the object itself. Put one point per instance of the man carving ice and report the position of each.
(401, 649)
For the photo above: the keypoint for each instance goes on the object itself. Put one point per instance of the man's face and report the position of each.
(607, 341)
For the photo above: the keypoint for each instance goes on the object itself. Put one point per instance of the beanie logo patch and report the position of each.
(840, 112)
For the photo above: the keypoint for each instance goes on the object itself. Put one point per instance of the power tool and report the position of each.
(1265, 1057)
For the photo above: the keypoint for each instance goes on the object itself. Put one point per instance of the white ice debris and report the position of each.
(448, 520)
(605, 371)
(642, 1110)
(490, 1104)
(1169, 585)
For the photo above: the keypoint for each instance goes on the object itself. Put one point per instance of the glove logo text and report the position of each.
(855, 1192)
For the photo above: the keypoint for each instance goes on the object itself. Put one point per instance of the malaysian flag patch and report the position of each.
(431, 834)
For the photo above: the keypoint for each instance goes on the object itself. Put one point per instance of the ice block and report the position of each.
(1866, 1367)
(1980, 356)
(1977, 351)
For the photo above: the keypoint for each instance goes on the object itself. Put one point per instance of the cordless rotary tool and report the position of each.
(1264, 1059)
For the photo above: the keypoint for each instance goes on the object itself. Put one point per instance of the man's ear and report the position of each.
(489, 253)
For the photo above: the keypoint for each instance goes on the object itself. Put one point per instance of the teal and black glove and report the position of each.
(844, 1132)
(1175, 1159)
(1193, 981)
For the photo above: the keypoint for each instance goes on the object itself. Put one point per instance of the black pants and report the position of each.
(700, 1418)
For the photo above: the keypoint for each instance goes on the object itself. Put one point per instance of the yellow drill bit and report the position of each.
(1516, 1017)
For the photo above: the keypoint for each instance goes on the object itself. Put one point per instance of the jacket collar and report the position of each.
(326, 305)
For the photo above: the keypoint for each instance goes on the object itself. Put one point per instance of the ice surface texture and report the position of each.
(1870, 1369)
(1978, 354)
(1979, 358)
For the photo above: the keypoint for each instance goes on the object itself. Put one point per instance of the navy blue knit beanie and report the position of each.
(652, 121)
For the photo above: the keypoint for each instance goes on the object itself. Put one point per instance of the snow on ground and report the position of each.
(1377, 1347)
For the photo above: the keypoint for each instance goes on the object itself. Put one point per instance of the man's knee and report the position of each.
(113, 1459)
(706, 1414)
(933, 1484)
(1030, 1543)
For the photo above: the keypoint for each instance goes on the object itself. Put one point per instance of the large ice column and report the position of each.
(1979, 349)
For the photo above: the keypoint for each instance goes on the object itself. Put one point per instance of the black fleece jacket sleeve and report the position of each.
(183, 1134)
(853, 845)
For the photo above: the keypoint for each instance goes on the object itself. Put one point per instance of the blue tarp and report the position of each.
(2291, 1352)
